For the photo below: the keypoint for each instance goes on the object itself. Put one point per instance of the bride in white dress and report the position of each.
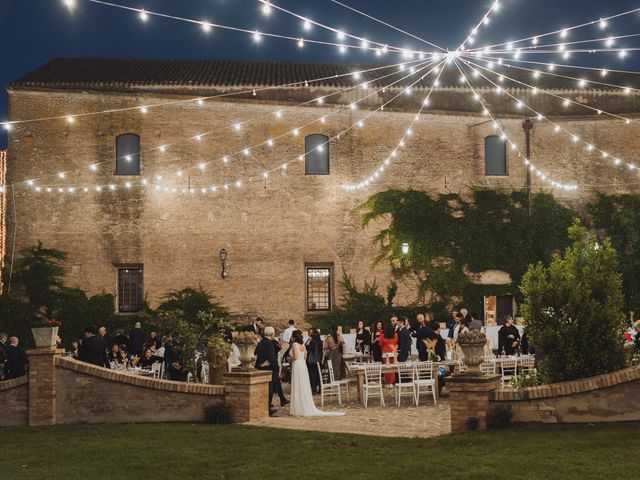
(302, 404)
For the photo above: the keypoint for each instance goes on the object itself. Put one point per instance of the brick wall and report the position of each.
(270, 229)
(605, 398)
(14, 402)
(89, 394)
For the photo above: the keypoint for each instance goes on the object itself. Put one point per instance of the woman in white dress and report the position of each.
(302, 404)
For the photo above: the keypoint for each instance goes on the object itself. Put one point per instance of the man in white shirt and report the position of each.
(286, 335)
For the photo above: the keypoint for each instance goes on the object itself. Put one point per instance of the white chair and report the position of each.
(342, 383)
(508, 370)
(329, 389)
(372, 384)
(156, 369)
(488, 367)
(425, 381)
(528, 365)
(406, 384)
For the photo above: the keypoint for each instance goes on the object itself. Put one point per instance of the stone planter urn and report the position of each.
(472, 345)
(246, 343)
(45, 337)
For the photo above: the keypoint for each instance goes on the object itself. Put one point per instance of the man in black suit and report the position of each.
(256, 327)
(16, 359)
(277, 385)
(92, 349)
(422, 332)
(266, 360)
(137, 338)
(105, 337)
(404, 340)
(3, 341)
(394, 324)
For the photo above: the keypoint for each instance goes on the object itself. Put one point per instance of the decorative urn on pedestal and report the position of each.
(246, 343)
(45, 332)
(472, 344)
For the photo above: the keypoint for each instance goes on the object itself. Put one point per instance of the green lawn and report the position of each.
(185, 452)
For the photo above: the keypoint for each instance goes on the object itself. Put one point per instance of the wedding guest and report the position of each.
(404, 340)
(3, 341)
(422, 332)
(115, 357)
(636, 341)
(256, 327)
(266, 360)
(314, 357)
(441, 346)
(475, 323)
(3, 355)
(16, 359)
(333, 350)
(92, 349)
(452, 324)
(155, 338)
(508, 337)
(394, 324)
(136, 340)
(465, 315)
(458, 325)
(376, 334)
(178, 373)
(147, 360)
(286, 335)
(277, 385)
(121, 339)
(170, 355)
(389, 345)
(363, 338)
(463, 326)
(105, 337)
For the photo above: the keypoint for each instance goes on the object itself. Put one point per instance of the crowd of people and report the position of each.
(13, 359)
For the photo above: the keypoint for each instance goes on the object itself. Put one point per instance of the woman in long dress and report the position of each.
(389, 346)
(302, 404)
(333, 349)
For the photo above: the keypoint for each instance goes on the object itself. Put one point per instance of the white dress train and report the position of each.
(302, 404)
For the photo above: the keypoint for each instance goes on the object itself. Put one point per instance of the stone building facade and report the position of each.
(284, 233)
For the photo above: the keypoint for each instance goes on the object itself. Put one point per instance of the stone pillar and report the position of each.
(42, 386)
(469, 397)
(247, 392)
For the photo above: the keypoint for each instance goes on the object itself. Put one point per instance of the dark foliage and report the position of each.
(500, 416)
(218, 414)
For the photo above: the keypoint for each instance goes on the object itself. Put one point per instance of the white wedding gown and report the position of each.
(302, 404)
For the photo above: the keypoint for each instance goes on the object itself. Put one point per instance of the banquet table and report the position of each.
(392, 368)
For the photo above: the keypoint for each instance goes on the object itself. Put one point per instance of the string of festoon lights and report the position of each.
(602, 23)
(402, 142)
(566, 101)
(485, 21)
(386, 24)
(239, 126)
(576, 139)
(581, 82)
(238, 182)
(378, 47)
(257, 36)
(503, 135)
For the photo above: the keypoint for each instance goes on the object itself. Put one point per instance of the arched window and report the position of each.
(495, 156)
(316, 154)
(128, 154)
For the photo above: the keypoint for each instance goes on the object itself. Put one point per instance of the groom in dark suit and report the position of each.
(266, 360)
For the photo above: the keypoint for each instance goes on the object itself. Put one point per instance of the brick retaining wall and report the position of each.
(90, 394)
(14, 398)
(610, 397)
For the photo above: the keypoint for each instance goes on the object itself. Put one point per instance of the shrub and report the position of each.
(500, 416)
(525, 380)
(573, 310)
(218, 414)
(473, 423)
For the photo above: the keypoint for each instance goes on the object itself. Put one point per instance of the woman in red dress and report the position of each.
(389, 345)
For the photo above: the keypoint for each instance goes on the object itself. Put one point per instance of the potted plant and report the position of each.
(246, 343)
(45, 332)
(472, 344)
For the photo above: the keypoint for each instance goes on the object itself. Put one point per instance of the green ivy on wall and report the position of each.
(450, 237)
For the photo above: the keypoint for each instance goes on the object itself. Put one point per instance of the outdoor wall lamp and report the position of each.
(405, 248)
(223, 261)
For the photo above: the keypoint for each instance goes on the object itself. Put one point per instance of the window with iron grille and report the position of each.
(318, 289)
(130, 291)
(495, 156)
(128, 154)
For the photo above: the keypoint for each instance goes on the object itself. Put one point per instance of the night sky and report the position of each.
(34, 31)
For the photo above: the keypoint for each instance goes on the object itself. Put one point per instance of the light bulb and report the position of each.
(143, 16)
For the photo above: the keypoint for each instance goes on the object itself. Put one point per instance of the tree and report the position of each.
(38, 275)
(573, 310)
